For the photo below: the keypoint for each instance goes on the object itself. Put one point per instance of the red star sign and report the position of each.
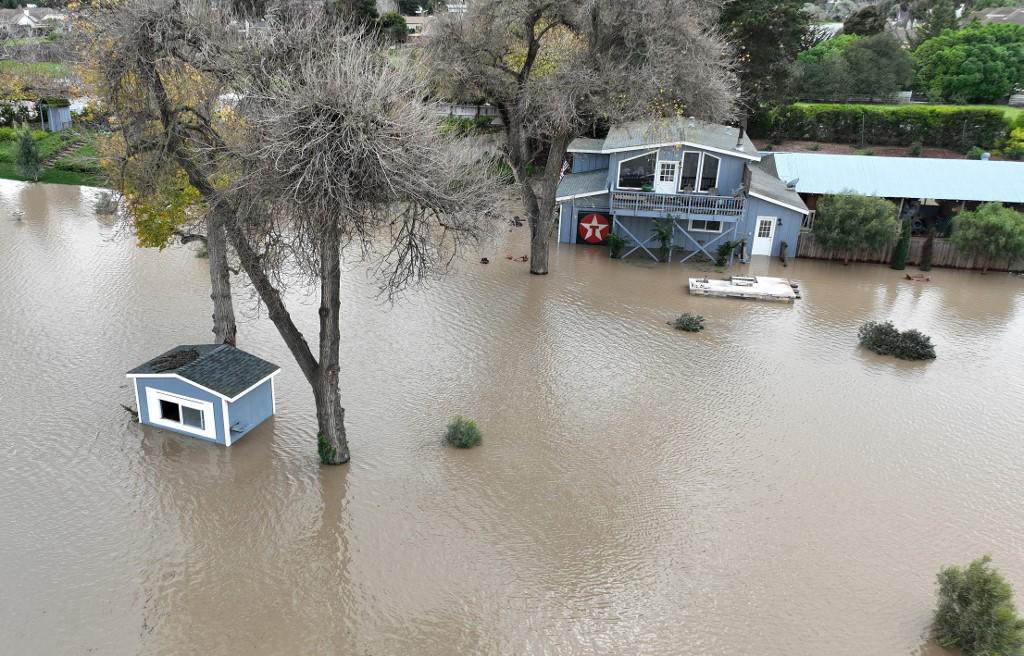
(594, 228)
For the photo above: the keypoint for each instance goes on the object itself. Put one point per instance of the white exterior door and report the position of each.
(764, 235)
(666, 178)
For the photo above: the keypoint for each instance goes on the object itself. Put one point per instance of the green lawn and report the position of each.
(56, 176)
(1011, 113)
(51, 69)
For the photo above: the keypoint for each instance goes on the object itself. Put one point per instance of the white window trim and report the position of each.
(721, 226)
(618, 170)
(700, 172)
(153, 398)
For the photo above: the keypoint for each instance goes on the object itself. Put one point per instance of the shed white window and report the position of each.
(180, 413)
(700, 172)
(702, 225)
(637, 172)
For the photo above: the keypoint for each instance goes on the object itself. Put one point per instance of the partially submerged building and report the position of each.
(707, 179)
(212, 392)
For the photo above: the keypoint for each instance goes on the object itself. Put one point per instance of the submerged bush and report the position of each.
(885, 339)
(691, 323)
(463, 433)
(616, 244)
(976, 612)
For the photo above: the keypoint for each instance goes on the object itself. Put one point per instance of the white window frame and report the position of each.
(700, 172)
(155, 396)
(721, 226)
(618, 170)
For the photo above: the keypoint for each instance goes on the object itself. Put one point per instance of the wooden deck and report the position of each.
(761, 288)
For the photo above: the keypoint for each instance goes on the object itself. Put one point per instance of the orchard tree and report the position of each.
(848, 222)
(767, 36)
(980, 63)
(328, 154)
(556, 68)
(991, 233)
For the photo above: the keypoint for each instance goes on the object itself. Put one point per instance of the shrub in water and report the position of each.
(463, 433)
(885, 339)
(616, 244)
(915, 149)
(691, 323)
(976, 611)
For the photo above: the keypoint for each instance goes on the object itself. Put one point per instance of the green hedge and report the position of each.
(958, 128)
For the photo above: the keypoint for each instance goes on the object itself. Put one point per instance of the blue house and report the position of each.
(708, 179)
(54, 114)
(214, 392)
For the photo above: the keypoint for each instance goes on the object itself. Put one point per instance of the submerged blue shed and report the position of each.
(214, 392)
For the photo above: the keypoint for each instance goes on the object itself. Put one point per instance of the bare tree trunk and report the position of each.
(329, 413)
(224, 328)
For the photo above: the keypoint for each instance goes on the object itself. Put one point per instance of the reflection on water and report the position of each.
(762, 487)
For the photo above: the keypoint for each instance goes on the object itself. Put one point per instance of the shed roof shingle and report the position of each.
(219, 367)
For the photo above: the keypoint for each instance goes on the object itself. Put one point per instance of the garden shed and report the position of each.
(54, 114)
(213, 392)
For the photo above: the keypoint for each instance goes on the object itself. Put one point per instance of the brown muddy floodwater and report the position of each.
(764, 487)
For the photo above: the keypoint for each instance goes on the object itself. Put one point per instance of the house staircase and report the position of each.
(65, 150)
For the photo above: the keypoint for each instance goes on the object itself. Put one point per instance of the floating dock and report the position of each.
(762, 288)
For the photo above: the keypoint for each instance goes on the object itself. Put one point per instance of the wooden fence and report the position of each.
(944, 254)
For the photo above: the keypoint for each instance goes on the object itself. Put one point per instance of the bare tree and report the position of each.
(555, 69)
(327, 154)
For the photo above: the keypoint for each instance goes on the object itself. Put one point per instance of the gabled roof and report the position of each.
(670, 132)
(575, 185)
(765, 184)
(904, 177)
(219, 368)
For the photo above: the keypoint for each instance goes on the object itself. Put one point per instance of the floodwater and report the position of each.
(764, 487)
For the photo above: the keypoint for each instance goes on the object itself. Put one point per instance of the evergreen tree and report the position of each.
(767, 35)
(28, 161)
(939, 17)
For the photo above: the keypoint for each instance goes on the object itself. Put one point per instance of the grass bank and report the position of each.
(80, 167)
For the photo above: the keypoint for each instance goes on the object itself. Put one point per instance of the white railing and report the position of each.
(639, 201)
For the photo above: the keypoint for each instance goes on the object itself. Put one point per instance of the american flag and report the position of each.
(565, 169)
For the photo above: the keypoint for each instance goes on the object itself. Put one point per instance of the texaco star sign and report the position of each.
(594, 228)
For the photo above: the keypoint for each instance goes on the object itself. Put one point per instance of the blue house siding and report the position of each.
(584, 162)
(180, 388)
(787, 232)
(251, 410)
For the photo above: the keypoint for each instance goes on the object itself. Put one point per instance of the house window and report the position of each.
(702, 225)
(637, 172)
(691, 171)
(667, 172)
(700, 172)
(181, 413)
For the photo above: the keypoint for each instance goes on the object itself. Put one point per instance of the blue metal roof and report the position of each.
(904, 177)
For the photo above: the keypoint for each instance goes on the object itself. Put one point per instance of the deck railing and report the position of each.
(640, 201)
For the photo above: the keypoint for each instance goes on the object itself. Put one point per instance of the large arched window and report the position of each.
(700, 172)
(637, 172)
